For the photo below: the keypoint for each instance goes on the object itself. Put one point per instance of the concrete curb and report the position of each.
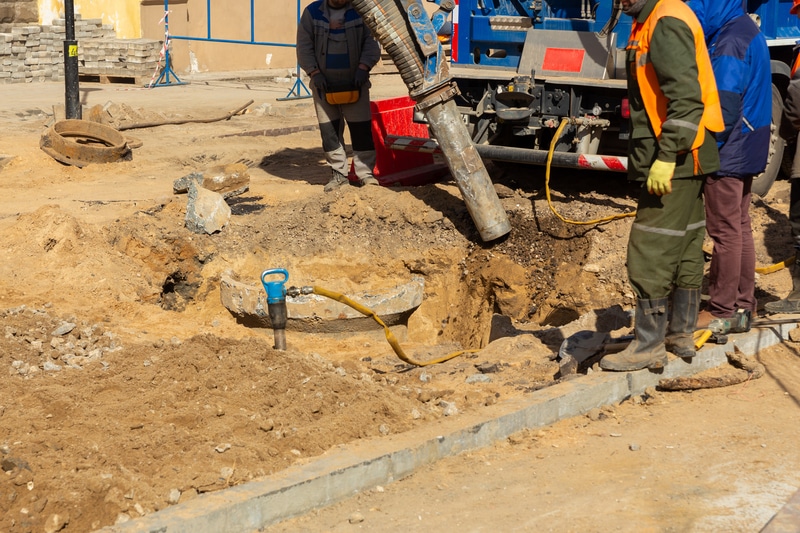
(787, 520)
(342, 473)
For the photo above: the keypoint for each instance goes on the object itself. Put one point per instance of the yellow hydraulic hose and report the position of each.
(550, 152)
(777, 266)
(389, 335)
(760, 270)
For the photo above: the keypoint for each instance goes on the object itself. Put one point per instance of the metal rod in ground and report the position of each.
(280, 339)
(71, 90)
(278, 315)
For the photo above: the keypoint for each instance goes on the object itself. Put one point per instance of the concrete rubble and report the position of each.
(228, 180)
(314, 313)
(206, 211)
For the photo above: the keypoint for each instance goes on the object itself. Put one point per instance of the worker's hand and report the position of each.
(319, 83)
(659, 181)
(361, 78)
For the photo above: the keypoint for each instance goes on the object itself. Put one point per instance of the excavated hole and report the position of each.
(517, 279)
(176, 291)
(534, 277)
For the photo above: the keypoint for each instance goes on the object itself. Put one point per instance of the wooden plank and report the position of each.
(107, 79)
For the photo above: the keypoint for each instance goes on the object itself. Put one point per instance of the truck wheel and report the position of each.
(763, 182)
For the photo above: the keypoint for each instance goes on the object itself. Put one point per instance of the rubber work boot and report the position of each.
(682, 320)
(647, 348)
(790, 304)
(369, 180)
(337, 180)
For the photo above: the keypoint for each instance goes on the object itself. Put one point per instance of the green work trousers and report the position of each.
(665, 247)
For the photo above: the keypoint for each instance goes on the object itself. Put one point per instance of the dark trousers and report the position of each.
(732, 277)
(665, 248)
(794, 211)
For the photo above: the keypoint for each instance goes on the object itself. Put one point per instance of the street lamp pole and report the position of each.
(73, 104)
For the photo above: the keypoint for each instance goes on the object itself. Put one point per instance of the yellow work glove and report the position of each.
(659, 181)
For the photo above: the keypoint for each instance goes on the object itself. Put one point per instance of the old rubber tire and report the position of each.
(763, 182)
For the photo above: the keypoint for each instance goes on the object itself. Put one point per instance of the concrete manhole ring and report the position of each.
(80, 142)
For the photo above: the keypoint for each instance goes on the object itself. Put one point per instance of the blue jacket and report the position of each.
(741, 63)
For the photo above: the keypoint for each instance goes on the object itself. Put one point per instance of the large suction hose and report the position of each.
(388, 24)
(433, 93)
(467, 168)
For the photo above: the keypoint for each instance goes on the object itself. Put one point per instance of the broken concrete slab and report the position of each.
(228, 180)
(206, 211)
(314, 313)
(787, 520)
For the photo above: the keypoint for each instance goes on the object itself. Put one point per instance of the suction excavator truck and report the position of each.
(520, 68)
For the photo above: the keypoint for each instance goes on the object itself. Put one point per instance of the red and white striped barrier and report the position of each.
(608, 163)
(603, 162)
(412, 144)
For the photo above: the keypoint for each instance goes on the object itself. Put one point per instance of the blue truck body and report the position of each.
(472, 20)
(524, 66)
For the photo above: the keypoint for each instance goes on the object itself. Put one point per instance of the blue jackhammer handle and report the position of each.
(276, 290)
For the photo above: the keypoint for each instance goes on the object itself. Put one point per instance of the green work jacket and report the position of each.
(672, 53)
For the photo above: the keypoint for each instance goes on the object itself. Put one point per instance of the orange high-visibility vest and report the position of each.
(655, 103)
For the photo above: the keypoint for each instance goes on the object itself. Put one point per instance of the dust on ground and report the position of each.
(129, 387)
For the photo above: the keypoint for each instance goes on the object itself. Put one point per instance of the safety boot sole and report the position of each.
(683, 348)
(783, 306)
(608, 363)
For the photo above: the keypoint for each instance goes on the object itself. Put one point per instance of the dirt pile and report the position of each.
(128, 387)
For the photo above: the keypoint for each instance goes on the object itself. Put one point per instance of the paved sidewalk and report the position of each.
(201, 94)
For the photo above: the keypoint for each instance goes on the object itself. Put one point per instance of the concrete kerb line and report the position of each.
(364, 465)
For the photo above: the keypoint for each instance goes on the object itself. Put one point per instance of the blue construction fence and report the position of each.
(168, 77)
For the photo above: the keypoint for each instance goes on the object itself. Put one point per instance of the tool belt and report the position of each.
(342, 95)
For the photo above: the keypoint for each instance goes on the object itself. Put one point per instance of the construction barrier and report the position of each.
(298, 90)
(395, 117)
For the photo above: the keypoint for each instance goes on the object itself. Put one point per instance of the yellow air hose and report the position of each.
(777, 266)
(389, 335)
(760, 270)
(550, 152)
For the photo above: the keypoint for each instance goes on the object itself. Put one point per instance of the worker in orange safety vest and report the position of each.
(674, 110)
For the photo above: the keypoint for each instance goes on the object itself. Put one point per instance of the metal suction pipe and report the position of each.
(407, 34)
(467, 168)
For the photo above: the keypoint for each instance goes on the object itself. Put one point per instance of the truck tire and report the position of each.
(763, 182)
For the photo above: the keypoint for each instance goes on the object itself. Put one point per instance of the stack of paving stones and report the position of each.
(33, 53)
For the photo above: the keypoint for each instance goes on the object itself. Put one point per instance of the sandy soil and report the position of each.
(703, 461)
(129, 387)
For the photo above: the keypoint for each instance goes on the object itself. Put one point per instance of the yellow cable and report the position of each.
(777, 266)
(760, 270)
(389, 335)
(550, 152)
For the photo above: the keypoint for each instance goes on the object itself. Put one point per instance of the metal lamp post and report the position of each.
(73, 104)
